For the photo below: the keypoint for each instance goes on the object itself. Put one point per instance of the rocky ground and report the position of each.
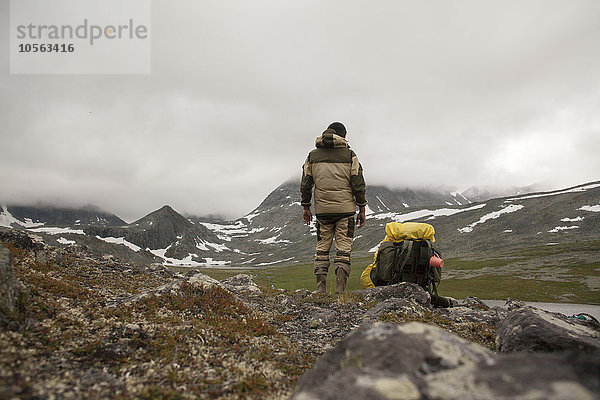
(79, 326)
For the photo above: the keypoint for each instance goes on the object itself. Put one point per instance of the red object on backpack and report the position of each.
(436, 262)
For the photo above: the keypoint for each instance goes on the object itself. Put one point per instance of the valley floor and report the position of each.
(560, 273)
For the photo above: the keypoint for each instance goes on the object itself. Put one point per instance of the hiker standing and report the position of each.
(334, 171)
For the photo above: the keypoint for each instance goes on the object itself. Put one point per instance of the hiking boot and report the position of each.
(340, 281)
(321, 284)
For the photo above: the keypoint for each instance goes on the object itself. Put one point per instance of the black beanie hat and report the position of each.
(339, 128)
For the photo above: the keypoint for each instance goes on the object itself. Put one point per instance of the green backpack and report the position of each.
(407, 261)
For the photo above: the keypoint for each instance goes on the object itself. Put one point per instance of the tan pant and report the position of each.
(342, 231)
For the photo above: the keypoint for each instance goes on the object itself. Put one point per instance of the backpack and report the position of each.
(407, 261)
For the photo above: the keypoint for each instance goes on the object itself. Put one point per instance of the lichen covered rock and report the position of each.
(403, 290)
(532, 329)
(419, 361)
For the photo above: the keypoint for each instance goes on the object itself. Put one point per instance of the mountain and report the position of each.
(501, 224)
(383, 199)
(274, 234)
(162, 236)
(40, 215)
(483, 193)
(168, 235)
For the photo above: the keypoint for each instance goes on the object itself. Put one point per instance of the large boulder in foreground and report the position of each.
(532, 329)
(419, 361)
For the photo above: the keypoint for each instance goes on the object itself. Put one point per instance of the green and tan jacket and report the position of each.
(334, 171)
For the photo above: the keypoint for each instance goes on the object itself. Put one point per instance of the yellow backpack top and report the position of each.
(398, 232)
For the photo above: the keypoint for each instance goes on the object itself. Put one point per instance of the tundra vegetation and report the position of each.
(77, 332)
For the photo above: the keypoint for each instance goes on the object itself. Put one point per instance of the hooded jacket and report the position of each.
(334, 171)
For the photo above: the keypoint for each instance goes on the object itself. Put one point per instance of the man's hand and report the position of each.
(307, 216)
(361, 218)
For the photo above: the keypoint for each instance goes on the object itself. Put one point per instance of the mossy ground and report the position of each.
(191, 343)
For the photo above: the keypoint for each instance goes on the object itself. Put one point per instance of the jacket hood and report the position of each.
(329, 139)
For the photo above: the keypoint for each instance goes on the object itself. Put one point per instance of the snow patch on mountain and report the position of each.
(576, 219)
(419, 214)
(274, 262)
(63, 240)
(595, 208)
(187, 261)
(204, 245)
(572, 190)
(57, 231)
(493, 215)
(272, 240)
(563, 228)
(120, 240)
(249, 217)
(6, 219)
(368, 211)
(228, 231)
(382, 203)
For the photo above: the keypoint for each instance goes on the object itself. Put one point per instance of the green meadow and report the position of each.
(577, 283)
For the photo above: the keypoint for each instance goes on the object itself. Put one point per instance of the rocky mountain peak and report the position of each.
(285, 193)
(165, 213)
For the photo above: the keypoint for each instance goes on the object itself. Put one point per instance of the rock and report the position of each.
(10, 287)
(560, 375)
(198, 280)
(379, 361)
(302, 293)
(109, 257)
(321, 317)
(241, 283)
(471, 302)
(22, 239)
(94, 376)
(491, 316)
(191, 272)
(403, 290)
(532, 329)
(397, 306)
(417, 361)
(202, 280)
(32, 244)
(512, 304)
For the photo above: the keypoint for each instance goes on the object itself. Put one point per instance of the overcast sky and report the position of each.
(455, 93)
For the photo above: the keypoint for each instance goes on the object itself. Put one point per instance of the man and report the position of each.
(334, 171)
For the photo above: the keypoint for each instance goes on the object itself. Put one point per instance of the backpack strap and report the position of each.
(432, 282)
(405, 250)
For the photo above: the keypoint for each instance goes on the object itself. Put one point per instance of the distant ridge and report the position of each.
(273, 233)
(61, 216)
